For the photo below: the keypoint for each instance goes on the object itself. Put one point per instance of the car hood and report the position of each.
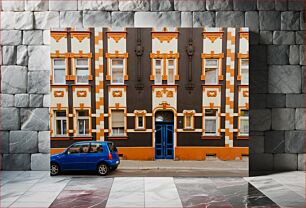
(56, 155)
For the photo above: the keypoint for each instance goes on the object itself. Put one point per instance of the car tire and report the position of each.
(103, 169)
(54, 169)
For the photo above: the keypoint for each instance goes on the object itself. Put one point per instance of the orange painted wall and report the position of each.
(137, 153)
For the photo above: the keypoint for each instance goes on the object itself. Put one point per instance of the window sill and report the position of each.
(140, 129)
(117, 137)
(82, 137)
(188, 129)
(243, 137)
(211, 84)
(60, 138)
(211, 137)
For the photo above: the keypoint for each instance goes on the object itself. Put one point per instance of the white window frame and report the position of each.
(62, 119)
(243, 67)
(161, 71)
(117, 67)
(82, 67)
(246, 118)
(59, 67)
(116, 131)
(216, 67)
(83, 118)
(137, 121)
(215, 118)
(174, 72)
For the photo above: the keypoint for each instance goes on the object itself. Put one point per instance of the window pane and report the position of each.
(58, 127)
(83, 113)
(211, 63)
(210, 76)
(117, 62)
(244, 113)
(188, 121)
(95, 148)
(64, 127)
(171, 62)
(171, 75)
(82, 62)
(140, 121)
(81, 126)
(79, 148)
(244, 75)
(158, 78)
(210, 126)
(244, 62)
(210, 112)
(158, 62)
(82, 75)
(59, 62)
(244, 126)
(117, 118)
(60, 113)
(117, 75)
(59, 76)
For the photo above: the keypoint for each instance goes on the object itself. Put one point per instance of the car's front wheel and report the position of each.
(103, 169)
(54, 169)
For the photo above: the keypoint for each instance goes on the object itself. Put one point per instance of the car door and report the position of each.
(76, 157)
(96, 153)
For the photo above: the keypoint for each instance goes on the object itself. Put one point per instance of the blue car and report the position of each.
(92, 156)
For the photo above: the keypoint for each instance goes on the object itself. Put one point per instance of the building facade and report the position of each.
(157, 93)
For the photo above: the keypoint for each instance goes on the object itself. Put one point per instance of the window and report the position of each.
(117, 68)
(188, 119)
(244, 71)
(211, 71)
(82, 71)
(95, 148)
(210, 122)
(117, 117)
(158, 71)
(244, 122)
(171, 71)
(83, 122)
(78, 148)
(60, 123)
(140, 119)
(59, 66)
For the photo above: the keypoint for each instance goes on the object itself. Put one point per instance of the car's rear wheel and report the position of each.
(103, 169)
(54, 169)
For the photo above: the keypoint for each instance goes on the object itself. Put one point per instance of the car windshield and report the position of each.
(112, 147)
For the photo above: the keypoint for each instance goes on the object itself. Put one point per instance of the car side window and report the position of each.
(112, 147)
(78, 148)
(96, 148)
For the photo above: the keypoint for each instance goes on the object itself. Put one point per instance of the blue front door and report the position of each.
(164, 140)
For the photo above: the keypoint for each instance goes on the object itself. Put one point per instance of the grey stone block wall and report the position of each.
(276, 68)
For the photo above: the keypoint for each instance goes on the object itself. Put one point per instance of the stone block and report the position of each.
(39, 82)
(283, 38)
(32, 37)
(265, 5)
(46, 20)
(13, 79)
(24, 20)
(229, 19)
(260, 119)
(246, 5)
(299, 37)
(185, 6)
(295, 141)
(256, 144)
(269, 20)
(13, 5)
(22, 55)
(44, 142)
(36, 100)
(297, 5)
(162, 5)
(285, 162)
(303, 79)
(290, 21)
(203, 19)
(9, 54)
(266, 37)
(63, 5)
(157, 19)
(122, 19)
(97, 19)
(251, 21)
(11, 37)
(134, 5)
(257, 101)
(278, 54)
(259, 81)
(261, 162)
(186, 19)
(35, 119)
(275, 142)
(294, 54)
(22, 100)
(11, 118)
(23, 142)
(301, 162)
(7, 20)
(46, 37)
(46, 101)
(283, 118)
(39, 58)
(300, 119)
(111, 5)
(302, 20)
(295, 100)
(4, 141)
(216, 5)
(16, 161)
(71, 19)
(37, 5)
(40, 162)
(302, 55)
(258, 58)
(281, 5)
(6, 100)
